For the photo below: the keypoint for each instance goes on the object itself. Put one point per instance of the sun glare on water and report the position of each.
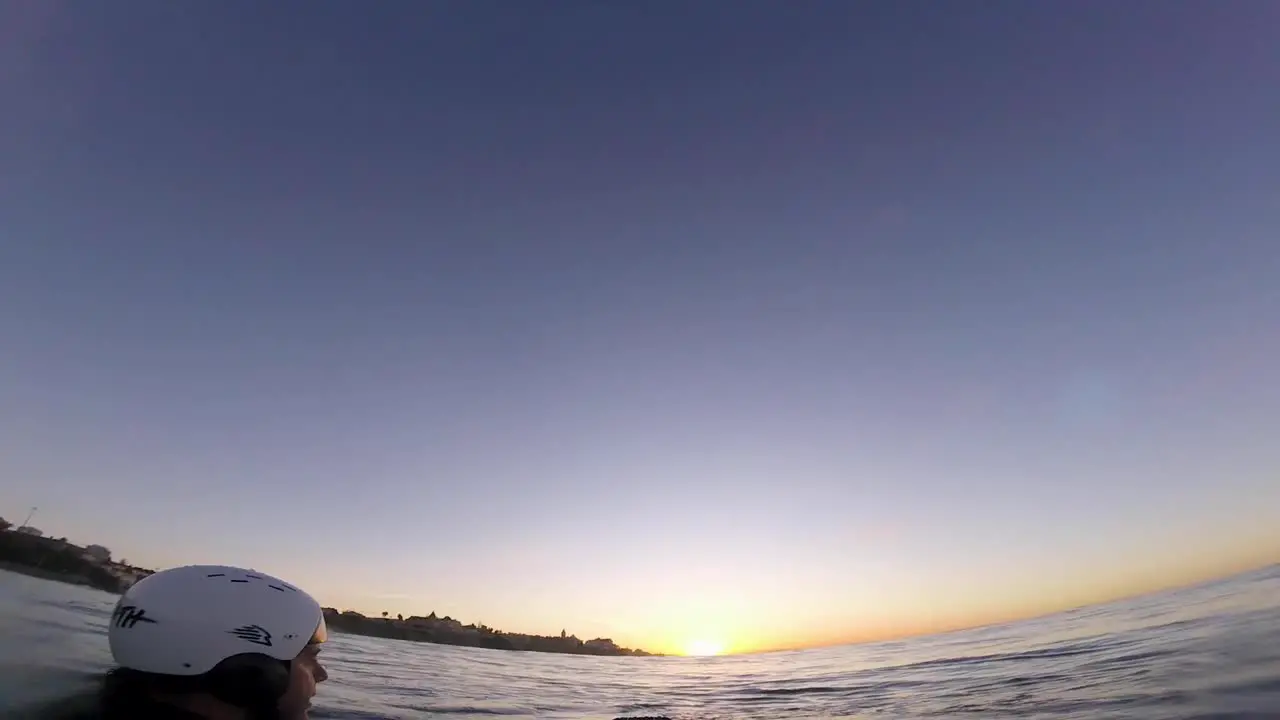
(704, 648)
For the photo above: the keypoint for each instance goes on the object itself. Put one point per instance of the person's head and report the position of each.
(215, 642)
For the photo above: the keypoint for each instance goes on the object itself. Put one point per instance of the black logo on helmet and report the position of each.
(255, 634)
(126, 616)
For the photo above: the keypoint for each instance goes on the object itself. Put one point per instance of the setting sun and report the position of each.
(704, 648)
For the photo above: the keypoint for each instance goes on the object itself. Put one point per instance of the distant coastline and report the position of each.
(448, 631)
(28, 552)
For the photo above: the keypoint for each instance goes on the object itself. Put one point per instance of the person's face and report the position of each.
(304, 673)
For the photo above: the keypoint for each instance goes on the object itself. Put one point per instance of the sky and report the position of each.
(742, 325)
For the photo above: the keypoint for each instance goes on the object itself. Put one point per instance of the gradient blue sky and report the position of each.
(755, 323)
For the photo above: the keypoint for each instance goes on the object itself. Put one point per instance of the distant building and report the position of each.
(29, 530)
(97, 553)
(601, 644)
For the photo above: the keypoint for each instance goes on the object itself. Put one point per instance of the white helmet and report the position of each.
(186, 620)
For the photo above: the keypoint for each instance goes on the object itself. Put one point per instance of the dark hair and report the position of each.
(127, 694)
(250, 681)
(119, 695)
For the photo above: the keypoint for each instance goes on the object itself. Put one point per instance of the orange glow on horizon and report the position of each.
(704, 648)
(729, 615)
(747, 638)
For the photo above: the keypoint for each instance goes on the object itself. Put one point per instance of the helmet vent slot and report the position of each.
(251, 576)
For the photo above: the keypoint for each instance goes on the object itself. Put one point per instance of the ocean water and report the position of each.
(1208, 652)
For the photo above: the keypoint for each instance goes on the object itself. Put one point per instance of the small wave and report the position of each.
(322, 714)
(1042, 654)
(466, 710)
(785, 691)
